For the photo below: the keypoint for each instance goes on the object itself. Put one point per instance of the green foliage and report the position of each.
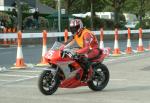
(76, 6)
(103, 23)
(51, 3)
(7, 19)
(131, 6)
(25, 7)
(145, 24)
(29, 23)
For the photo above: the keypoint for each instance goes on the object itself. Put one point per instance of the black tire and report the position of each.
(48, 83)
(101, 74)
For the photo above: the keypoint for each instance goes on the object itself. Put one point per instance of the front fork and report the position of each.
(55, 71)
(90, 73)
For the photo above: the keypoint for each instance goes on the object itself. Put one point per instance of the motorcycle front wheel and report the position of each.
(48, 82)
(100, 78)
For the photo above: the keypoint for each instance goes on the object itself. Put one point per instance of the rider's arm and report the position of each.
(86, 42)
(70, 43)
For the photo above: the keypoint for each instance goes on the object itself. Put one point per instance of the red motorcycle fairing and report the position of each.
(106, 52)
(72, 80)
(54, 56)
(75, 81)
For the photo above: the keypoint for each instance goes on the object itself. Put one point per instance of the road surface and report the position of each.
(129, 83)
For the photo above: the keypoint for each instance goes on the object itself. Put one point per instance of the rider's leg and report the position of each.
(86, 62)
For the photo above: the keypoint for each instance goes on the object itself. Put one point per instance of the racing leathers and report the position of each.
(88, 44)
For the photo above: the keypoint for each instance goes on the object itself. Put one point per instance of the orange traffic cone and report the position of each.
(101, 39)
(66, 35)
(5, 40)
(9, 30)
(149, 46)
(13, 41)
(19, 60)
(128, 49)
(9, 40)
(1, 42)
(116, 51)
(44, 50)
(140, 47)
(14, 30)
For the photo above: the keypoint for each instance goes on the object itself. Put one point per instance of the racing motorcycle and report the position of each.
(65, 71)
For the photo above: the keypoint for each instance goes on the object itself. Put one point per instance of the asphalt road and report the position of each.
(129, 83)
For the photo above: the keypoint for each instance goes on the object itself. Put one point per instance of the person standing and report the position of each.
(36, 18)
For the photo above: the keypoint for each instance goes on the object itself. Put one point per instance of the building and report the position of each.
(7, 5)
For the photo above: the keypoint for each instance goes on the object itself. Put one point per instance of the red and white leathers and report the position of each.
(88, 43)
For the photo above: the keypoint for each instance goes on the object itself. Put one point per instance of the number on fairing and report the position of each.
(49, 54)
(106, 51)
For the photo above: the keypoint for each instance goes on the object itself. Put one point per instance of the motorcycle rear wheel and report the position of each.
(100, 78)
(48, 82)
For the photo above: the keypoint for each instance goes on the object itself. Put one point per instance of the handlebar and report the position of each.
(69, 53)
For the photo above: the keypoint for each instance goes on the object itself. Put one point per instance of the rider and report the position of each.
(87, 42)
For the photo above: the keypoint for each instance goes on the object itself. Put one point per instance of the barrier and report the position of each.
(19, 59)
(60, 34)
(44, 50)
(101, 39)
(7, 41)
(149, 47)
(129, 49)
(116, 51)
(140, 47)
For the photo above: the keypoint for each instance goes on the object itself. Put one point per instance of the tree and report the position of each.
(51, 3)
(115, 6)
(67, 4)
(79, 6)
(138, 7)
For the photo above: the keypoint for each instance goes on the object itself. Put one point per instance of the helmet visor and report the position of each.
(74, 29)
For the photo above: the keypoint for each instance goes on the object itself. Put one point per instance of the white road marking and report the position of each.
(9, 75)
(22, 86)
(120, 58)
(4, 80)
(24, 71)
(5, 53)
(18, 80)
(9, 47)
(118, 79)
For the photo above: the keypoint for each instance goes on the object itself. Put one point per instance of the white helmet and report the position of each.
(75, 25)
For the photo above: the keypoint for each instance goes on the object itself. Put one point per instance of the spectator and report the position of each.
(14, 13)
(29, 22)
(14, 18)
(2, 24)
(36, 18)
(1, 27)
